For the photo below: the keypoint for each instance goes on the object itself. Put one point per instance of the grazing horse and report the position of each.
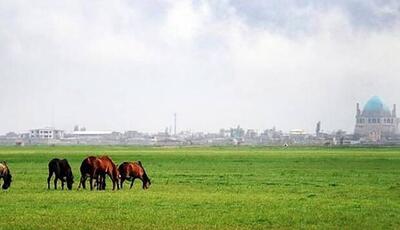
(132, 170)
(62, 171)
(5, 174)
(105, 166)
(87, 170)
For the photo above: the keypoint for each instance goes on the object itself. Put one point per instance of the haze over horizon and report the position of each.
(130, 65)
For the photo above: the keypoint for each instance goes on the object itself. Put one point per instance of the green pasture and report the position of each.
(211, 188)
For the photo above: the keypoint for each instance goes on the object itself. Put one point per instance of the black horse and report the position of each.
(5, 174)
(62, 172)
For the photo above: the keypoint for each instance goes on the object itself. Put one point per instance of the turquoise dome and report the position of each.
(376, 107)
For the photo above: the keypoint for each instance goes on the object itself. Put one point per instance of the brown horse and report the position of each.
(5, 174)
(105, 166)
(87, 170)
(62, 171)
(132, 170)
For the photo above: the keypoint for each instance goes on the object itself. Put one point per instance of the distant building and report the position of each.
(251, 134)
(376, 122)
(224, 133)
(92, 133)
(46, 133)
(298, 136)
(79, 128)
(132, 134)
(297, 132)
(237, 132)
(318, 129)
(12, 135)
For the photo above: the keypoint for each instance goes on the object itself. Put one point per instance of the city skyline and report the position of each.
(173, 130)
(131, 65)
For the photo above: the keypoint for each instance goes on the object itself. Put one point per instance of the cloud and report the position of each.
(132, 64)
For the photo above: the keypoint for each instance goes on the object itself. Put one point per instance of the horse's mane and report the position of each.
(65, 161)
(144, 171)
(5, 166)
(7, 170)
(109, 159)
(105, 157)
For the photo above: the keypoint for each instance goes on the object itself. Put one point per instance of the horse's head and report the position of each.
(146, 179)
(70, 180)
(146, 183)
(7, 181)
(115, 172)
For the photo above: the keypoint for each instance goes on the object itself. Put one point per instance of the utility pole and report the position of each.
(174, 124)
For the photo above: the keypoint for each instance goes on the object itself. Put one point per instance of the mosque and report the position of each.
(376, 122)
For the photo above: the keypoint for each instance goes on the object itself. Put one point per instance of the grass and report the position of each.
(212, 188)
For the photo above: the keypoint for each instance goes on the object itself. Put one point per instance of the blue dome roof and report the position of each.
(375, 106)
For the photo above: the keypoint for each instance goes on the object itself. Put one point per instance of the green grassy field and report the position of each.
(212, 188)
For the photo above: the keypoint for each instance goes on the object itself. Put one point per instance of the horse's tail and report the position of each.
(84, 173)
(82, 168)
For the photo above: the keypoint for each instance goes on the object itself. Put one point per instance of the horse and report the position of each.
(132, 170)
(105, 166)
(62, 171)
(87, 169)
(5, 174)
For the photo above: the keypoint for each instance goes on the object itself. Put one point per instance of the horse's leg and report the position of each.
(142, 182)
(84, 178)
(102, 181)
(82, 182)
(96, 183)
(49, 178)
(62, 183)
(133, 180)
(112, 180)
(99, 182)
(94, 176)
(91, 182)
(122, 182)
(55, 182)
(117, 183)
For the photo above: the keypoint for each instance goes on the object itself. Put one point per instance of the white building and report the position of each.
(46, 133)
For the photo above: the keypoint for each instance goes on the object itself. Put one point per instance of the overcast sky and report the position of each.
(130, 65)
